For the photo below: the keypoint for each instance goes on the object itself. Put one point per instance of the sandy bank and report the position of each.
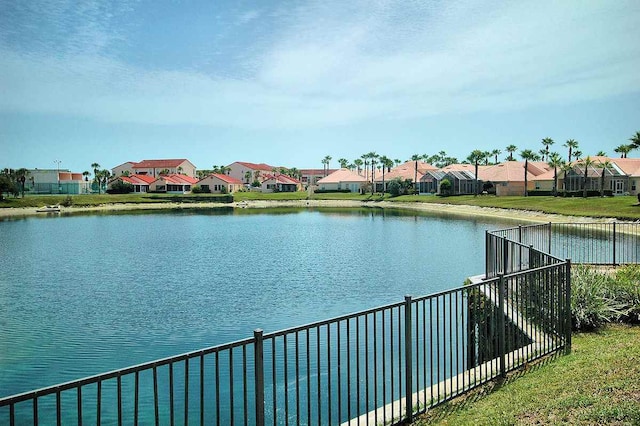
(442, 209)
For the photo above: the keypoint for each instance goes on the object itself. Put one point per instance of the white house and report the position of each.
(342, 179)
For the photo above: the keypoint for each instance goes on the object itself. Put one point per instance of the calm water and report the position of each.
(86, 294)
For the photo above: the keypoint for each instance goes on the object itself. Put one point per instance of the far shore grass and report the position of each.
(621, 207)
(598, 383)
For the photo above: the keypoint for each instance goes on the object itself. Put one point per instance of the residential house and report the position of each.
(616, 179)
(342, 179)
(312, 176)
(429, 183)
(463, 182)
(621, 177)
(140, 182)
(123, 169)
(279, 183)
(412, 170)
(220, 184)
(155, 168)
(508, 178)
(173, 183)
(249, 172)
(631, 168)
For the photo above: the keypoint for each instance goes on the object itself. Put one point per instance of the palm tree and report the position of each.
(373, 157)
(21, 177)
(344, 163)
(358, 163)
(577, 154)
(527, 155)
(325, 162)
(571, 144)
(588, 162)
(547, 142)
(475, 157)
(86, 174)
(635, 141)
(365, 159)
(623, 150)
(601, 154)
(511, 149)
(247, 176)
(605, 165)
(555, 161)
(102, 177)
(495, 154)
(95, 167)
(387, 163)
(397, 161)
(566, 167)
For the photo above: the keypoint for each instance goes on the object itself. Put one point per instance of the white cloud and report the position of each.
(333, 64)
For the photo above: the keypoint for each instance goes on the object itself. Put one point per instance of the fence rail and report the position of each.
(382, 365)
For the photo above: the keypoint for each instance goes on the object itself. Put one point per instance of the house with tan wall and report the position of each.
(342, 179)
(250, 172)
(279, 183)
(154, 168)
(173, 184)
(140, 183)
(217, 183)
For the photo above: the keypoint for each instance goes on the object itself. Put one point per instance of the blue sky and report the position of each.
(287, 83)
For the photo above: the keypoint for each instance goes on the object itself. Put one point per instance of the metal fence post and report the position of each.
(505, 256)
(486, 254)
(501, 327)
(614, 244)
(550, 237)
(567, 314)
(520, 245)
(531, 260)
(258, 361)
(408, 359)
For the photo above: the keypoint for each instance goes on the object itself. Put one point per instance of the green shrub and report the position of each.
(591, 304)
(120, 187)
(626, 291)
(332, 191)
(200, 190)
(67, 202)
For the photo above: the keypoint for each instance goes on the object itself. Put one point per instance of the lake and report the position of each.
(85, 294)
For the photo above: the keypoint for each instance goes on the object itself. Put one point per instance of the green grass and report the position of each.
(598, 383)
(95, 199)
(622, 207)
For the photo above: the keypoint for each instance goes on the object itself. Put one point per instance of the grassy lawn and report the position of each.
(598, 383)
(622, 207)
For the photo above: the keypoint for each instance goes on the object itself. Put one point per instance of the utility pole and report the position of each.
(58, 174)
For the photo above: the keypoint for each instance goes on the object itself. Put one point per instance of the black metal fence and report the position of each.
(612, 243)
(382, 365)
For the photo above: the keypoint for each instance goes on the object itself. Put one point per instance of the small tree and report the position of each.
(395, 187)
(445, 187)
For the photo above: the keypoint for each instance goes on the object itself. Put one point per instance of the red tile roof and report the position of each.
(226, 178)
(137, 179)
(254, 166)
(281, 178)
(156, 164)
(178, 179)
(317, 171)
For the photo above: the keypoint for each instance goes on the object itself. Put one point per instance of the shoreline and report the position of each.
(435, 208)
